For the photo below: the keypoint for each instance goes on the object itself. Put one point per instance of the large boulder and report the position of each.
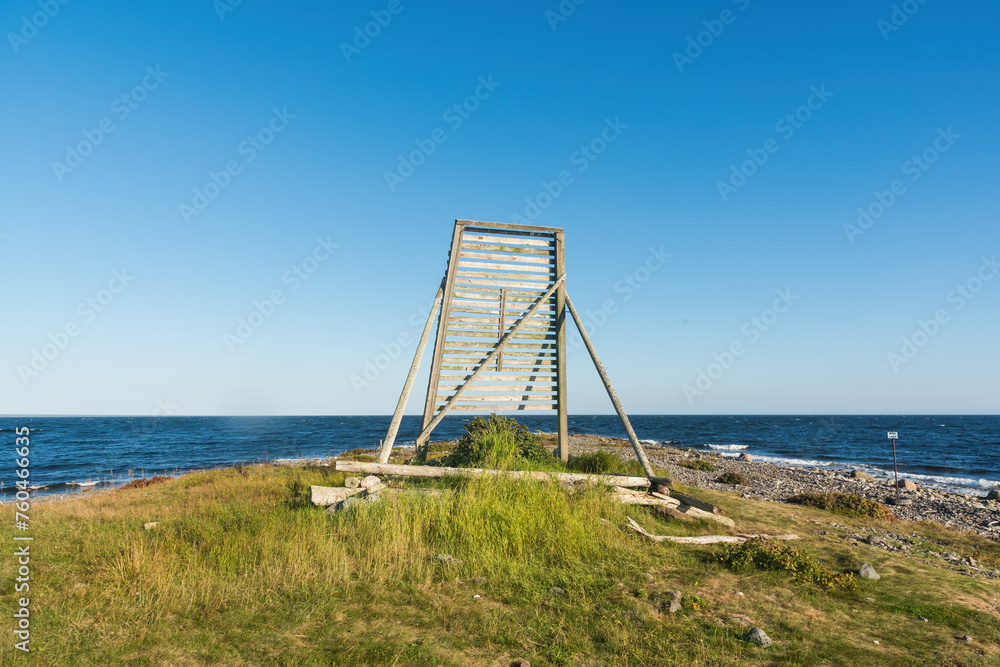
(868, 572)
(745, 457)
(863, 476)
(758, 637)
(993, 495)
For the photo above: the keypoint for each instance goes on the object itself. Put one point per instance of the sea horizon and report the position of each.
(959, 453)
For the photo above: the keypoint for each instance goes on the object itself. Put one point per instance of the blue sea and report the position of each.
(954, 452)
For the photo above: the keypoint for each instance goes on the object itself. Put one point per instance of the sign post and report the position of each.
(893, 436)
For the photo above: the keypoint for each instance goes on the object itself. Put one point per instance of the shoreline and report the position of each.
(763, 481)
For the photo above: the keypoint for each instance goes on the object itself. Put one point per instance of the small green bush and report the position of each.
(698, 465)
(499, 442)
(769, 555)
(733, 478)
(844, 503)
(595, 463)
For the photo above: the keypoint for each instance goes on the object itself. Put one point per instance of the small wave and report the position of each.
(649, 442)
(805, 463)
(728, 448)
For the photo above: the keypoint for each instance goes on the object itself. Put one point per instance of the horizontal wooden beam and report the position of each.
(508, 240)
(438, 471)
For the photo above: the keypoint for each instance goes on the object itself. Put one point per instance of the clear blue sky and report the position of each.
(184, 86)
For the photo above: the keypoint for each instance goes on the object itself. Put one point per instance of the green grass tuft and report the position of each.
(733, 478)
(697, 465)
(771, 555)
(844, 503)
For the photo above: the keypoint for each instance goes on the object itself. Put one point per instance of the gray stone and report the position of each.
(904, 484)
(447, 559)
(994, 494)
(758, 637)
(352, 482)
(868, 572)
(556, 591)
(863, 476)
(482, 581)
(967, 638)
(746, 457)
(921, 618)
(370, 481)
(150, 525)
(674, 606)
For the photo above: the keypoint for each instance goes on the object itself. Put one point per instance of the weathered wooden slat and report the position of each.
(468, 237)
(457, 326)
(460, 333)
(479, 226)
(478, 386)
(476, 345)
(517, 259)
(440, 471)
(462, 280)
(501, 377)
(503, 406)
(529, 367)
(495, 248)
(522, 268)
(538, 395)
(491, 308)
(472, 308)
(479, 294)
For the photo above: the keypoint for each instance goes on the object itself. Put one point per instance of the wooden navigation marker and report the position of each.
(501, 334)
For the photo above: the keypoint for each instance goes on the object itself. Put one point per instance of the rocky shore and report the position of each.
(770, 482)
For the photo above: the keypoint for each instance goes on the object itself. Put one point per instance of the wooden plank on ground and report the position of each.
(437, 471)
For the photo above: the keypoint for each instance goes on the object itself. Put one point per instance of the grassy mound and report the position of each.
(844, 503)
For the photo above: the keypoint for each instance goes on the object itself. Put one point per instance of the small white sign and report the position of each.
(893, 435)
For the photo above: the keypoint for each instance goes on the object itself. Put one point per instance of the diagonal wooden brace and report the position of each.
(397, 417)
(640, 453)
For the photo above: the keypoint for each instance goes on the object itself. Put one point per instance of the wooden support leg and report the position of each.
(640, 453)
(397, 417)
